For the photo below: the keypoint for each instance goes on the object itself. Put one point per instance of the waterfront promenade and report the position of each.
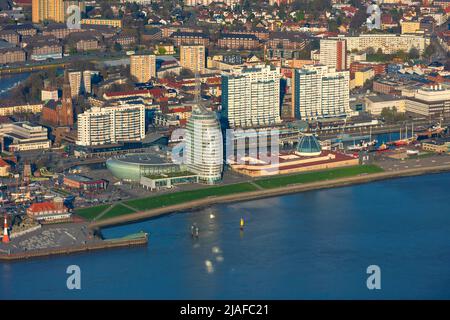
(265, 193)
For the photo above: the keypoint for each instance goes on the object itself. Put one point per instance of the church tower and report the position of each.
(66, 112)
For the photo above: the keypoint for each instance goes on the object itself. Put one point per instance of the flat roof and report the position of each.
(383, 98)
(143, 158)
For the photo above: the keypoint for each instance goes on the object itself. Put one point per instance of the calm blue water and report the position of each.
(10, 81)
(310, 245)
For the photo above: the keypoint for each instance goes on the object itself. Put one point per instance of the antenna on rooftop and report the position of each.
(198, 88)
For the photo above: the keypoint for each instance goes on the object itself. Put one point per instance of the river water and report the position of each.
(312, 245)
(7, 82)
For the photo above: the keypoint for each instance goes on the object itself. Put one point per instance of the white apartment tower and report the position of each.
(80, 82)
(75, 83)
(251, 97)
(111, 124)
(320, 92)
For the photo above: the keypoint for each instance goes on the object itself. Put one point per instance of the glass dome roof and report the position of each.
(308, 146)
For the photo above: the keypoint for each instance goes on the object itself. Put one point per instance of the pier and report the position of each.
(63, 238)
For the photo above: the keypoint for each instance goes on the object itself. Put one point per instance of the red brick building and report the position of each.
(84, 183)
(190, 38)
(238, 41)
(378, 68)
(59, 113)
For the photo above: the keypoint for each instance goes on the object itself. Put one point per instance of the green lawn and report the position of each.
(117, 210)
(169, 199)
(184, 196)
(91, 212)
(282, 181)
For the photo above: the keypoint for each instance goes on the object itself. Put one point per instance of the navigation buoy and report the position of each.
(242, 223)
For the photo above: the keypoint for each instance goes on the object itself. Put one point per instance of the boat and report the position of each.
(412, 152)
(347, 138)
(404, 141)
(432, 131)
(382, 148)
(362, 146)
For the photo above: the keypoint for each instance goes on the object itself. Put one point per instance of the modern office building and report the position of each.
(193, 58)
(204, 146)
(251, 97)
(111, 124)
(319, 92)
(23, 136)
(47, 10)
(333, 53)
(143, 67)
(430, 101)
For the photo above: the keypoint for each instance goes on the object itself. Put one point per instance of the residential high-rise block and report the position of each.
(47, 10)
(111, 124)
(333, 53)
(87, 81)
(75, 83)
(143, 67)
(319, 92)
(193, 58)
(251, 97)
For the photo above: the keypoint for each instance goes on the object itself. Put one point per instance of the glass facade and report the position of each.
(308, 146)
(132, 166)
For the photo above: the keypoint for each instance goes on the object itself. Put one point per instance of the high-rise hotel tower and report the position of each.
(204, 146)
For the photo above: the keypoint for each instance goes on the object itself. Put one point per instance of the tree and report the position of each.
(332, 26)
(413, 53)
(117, 47)
(186, 73)
(429, 51)
(391, 115)
(161, 50)
(358, 20)
(370, 50)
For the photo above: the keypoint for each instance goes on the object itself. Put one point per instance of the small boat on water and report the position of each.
(431, 132)
(382, 148)
(362, 146)
(412, 152)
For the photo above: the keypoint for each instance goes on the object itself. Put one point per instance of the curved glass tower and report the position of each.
(204, 145)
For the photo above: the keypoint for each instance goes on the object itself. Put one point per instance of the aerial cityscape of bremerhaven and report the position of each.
(224, 149)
